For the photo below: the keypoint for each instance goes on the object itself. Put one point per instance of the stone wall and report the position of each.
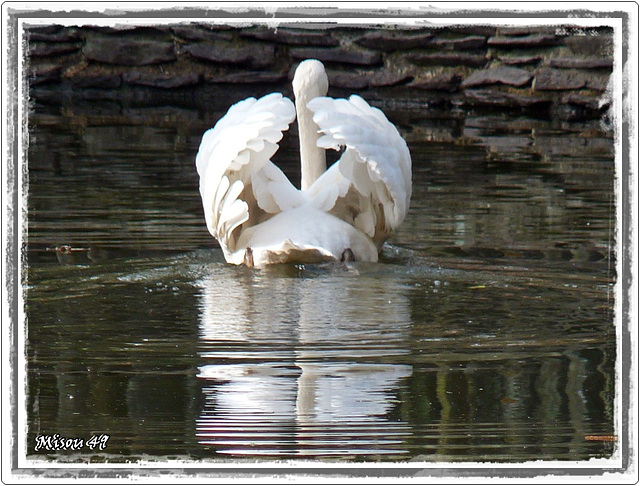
(558, 71)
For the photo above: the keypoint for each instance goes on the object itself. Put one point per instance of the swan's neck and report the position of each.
(312, 158)
(310, 81)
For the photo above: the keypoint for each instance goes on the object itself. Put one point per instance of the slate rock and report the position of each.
(444, 81)
(481, 30)
(337, 55)
(592, 45)
(45, 29)
(247, 77)
(292, 37)
(559, 79)
(463, 44)
(493, 97)
(568, 112)
(128, 52)
(393, 40)
(388, 77)
(511, 76)
(45, 49)
(44, 73)
(102, 81)
(590, 102)
(161, 81)
(54, 35)
(527, 30)
(130, 29)
(573, 63)
(527, 41)
(598, 81)
(447, 59)
(198, 33)
(255, 57)
(347, 80)
(519, 60)
(216, 27)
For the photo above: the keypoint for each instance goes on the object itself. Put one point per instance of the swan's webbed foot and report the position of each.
(248, 257)
(348, 256)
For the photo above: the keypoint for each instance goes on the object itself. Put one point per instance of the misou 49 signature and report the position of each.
(56, 442)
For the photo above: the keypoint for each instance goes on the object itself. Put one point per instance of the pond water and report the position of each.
(486, 333)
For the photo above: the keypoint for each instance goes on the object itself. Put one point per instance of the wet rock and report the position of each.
(573, 63)
(198, 33)
(292, 37)
(44, 49)
(598, 81)
(500, 75)
(215, 27)
(466, 43)
(130, 29)
(161, 81)
(557, 80)
(388, 77)
(128, 52)
(390, 40)
(337, 55)
(54, 35)
(589, 102)
(490, 97)
(254, 56)
(444, 81)
(481, 30)
(447, 59)
(102, 81)
(347, 80)
(247, 77)
(598, 45)
(568, 112)
(527, 41)
(45, 29)
(44, 73)
(527, 30)
(520, 60)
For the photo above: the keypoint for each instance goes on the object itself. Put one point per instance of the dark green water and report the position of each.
(486, 333)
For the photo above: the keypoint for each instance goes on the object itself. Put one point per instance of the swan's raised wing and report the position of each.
(376, 164)
(237, 178)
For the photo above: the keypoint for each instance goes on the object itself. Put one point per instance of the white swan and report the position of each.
(345, 212)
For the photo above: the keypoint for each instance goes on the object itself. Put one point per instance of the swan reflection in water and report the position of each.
(307, 366)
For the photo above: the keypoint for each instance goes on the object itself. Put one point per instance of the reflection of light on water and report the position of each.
(223, 307)
(261, 388)
(299, 366)
(336, 391)
(320, 409)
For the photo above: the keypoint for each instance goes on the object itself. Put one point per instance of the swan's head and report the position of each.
(310, 80)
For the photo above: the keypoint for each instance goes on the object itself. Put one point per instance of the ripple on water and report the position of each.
(486, 332)
(307, 409)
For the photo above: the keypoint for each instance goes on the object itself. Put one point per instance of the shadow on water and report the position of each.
(486, 333)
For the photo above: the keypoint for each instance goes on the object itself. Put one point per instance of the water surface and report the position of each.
(486, 332)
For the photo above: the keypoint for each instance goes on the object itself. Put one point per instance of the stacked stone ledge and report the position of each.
(562, 71)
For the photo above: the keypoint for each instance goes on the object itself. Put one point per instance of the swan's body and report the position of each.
(344, 212)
